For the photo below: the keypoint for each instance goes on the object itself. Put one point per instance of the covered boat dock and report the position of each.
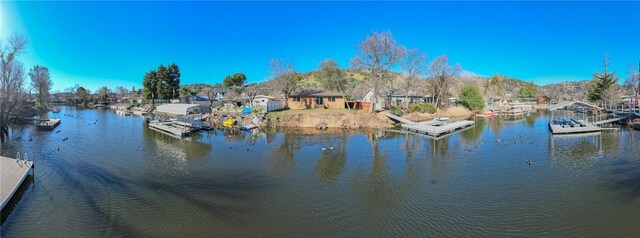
(589, 123)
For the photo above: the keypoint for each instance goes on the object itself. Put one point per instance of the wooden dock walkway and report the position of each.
(437, 129)
(12, 173)
(399, 119)
(606, 121)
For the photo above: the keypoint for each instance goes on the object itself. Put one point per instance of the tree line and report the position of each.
(13, 93)
(162, 83)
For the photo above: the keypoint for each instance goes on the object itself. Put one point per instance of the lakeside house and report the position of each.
(316, 99)
(261, 100)
(219, 94)
(396, 97)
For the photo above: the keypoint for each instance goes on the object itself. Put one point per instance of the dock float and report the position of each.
(435, 128)
(49, 124)
(13, 172)
(170, 128)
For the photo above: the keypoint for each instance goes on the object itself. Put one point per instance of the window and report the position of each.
(332, 99)
(319, 101)
(296, 99)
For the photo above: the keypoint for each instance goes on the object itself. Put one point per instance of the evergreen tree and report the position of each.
(236, 80)
(601, 83)
(528, 90)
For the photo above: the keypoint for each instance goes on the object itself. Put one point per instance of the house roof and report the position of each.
(264, 96)
(176, 108)
(313, 92)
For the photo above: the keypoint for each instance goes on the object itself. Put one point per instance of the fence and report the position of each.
(275, 105)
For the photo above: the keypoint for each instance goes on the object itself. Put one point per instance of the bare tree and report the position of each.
(441, 75)
(285, 78)
(413, 65)
(612, 94)
(633, 80)
(12, 92)
(251, 91)
(41, 83)
(377, 54)
(121, 91)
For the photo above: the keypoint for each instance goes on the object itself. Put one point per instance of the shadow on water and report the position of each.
(625, 171)
(94, 185)
(626, 178)
(8, 208)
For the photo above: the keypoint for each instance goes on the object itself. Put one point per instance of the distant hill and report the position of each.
(358, 86)
(577, 90)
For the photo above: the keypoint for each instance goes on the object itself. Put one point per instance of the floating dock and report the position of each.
(171, 128)
(13, 172)
(177, 128)
(49, 124)
(437, 128)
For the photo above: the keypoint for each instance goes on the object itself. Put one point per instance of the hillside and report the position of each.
(566, 90)
(357, 85)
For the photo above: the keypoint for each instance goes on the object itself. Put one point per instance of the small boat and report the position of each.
(229, 122)
(248, 127)
(55, 110)
(490, 112)
(441, 119)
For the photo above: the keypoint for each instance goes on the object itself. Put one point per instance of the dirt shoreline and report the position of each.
(351, 119)
(327, 119)
(452, 112)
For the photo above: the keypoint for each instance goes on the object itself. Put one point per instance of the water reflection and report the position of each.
(575, 152)
(394, 183)
(474, 133)
(332, 162)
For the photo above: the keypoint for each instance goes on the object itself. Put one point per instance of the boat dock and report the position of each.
(13, 172)
(170, 128)
(48, 124)
(177, 128)
(436, 128)
(399, 119)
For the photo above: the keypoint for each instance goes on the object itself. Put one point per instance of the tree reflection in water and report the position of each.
(284, 154)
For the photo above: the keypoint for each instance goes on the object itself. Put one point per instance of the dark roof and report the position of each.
(314, 92)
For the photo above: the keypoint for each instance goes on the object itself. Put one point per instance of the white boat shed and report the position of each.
(182, 109)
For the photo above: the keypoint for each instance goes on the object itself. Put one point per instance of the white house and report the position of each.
(261, 100)
(268, 103)
(396, 97)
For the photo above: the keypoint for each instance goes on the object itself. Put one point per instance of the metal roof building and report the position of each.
(182, 109)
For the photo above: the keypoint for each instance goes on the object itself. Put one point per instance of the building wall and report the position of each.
(310, 103)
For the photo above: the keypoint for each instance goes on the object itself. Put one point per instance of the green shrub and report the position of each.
(257, 110)
(422, 108)
(417, 107)
(396, 110)
(431, 108)
(471, 97)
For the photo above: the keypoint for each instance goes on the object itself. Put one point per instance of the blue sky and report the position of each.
(115, 43)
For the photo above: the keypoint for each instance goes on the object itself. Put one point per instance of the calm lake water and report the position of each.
(114, 177)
